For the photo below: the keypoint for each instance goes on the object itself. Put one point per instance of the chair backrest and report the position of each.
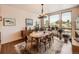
(23, 34)
(57, 44)
(20, 46)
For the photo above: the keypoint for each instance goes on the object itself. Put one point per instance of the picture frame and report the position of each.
(29, 22)
(0, 18)
(9, 22)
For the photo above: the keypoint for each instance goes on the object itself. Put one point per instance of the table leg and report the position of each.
(37, 44)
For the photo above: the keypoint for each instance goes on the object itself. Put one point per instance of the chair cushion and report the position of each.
(20, 46)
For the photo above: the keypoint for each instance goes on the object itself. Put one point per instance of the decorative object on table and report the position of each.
(28, 22)
(0, 18)
(9, 21)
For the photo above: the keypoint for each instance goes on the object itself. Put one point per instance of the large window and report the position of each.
(66, 20)
(54, 20)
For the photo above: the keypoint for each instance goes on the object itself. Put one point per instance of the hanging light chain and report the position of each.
(42, 8)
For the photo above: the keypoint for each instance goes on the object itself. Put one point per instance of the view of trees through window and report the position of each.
(46, 21)
(54, 20)
(66, 20)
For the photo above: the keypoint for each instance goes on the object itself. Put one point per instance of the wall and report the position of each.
(0, 30)
(0, 21)
(74, 16)
(12, 33)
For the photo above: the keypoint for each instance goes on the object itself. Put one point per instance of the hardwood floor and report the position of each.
(8, 48)
(75, 49)
(0, 42)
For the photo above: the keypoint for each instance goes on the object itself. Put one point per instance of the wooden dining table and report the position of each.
(38, 35)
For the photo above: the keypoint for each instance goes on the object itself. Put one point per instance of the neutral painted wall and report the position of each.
(0, 21)
(0, 28)
(12, 33)
(75, 13)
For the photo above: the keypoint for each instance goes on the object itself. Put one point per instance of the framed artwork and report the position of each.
(29, 22)
(9, 21)
(0, 18)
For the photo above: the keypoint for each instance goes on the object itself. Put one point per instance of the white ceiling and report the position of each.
(48, 8)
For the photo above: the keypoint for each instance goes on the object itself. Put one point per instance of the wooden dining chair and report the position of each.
(21, 48)
(57, 46)
(23, 35)
(31, 44)
(45, 42)
(66, 38)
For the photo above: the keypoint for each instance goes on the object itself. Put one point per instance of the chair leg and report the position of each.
(45, 45)
(49, 41)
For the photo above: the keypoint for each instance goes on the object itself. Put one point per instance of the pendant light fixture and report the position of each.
(42, 15)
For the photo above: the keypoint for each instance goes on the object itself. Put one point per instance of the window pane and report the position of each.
(46, 22)
(66, 20)
(37, 23)
(54, 20)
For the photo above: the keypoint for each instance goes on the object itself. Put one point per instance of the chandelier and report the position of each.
(42, 15)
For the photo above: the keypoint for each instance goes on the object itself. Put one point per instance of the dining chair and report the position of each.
(21, 48)
(45, 42)
(57, 46)
(50, 39)
(66, 38)
(23, 35)
(31, 44)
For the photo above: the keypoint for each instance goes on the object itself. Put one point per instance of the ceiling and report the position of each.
(47, 7)
(34, 10)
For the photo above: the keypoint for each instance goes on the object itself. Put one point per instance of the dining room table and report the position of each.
(37, 35)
